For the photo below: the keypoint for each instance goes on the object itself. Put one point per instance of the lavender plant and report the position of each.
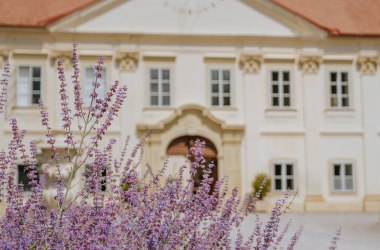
(141, 209)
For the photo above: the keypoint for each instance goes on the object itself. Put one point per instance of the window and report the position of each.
(220, 80)
(88, 85)
(103, 179)
(281, 96)
(339, 89)
(343, 180)
(159, 86)
(22, 173)
(283, 176)
(28, 85)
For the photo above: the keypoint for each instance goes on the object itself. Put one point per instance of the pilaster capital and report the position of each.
(128, 61)
(65, 55)
(251, 63)
(310, 64)
(3, 58)
(367, 65)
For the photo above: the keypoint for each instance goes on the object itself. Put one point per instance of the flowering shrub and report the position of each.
(139, 210)
(259, 188)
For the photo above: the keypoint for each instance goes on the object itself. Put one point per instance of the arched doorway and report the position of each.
(181, 146)
(193, 119)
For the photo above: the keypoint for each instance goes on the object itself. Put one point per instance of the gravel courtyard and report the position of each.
(359, 230)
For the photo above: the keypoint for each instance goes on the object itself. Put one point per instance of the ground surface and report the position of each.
(359, 230)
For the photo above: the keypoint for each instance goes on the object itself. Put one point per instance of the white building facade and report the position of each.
(271, 91)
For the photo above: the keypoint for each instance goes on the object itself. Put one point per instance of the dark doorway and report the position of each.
(181, 146)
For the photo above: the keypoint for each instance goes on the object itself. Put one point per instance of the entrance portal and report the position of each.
(181, 146)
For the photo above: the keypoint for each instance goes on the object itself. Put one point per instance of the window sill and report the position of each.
(31, 107)
(343, 193)
(281, 110)
(290, 113)
(281, 193)
(340, 112)
(222, 108)
(158, 108)
(345, 110)
(26, 111)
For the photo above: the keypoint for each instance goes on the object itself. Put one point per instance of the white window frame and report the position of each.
(30, 91)
(160, 82)
(284, 177)
(103, 80)
(281, 95)
(342, 177)
(220, 83)
(339, 95)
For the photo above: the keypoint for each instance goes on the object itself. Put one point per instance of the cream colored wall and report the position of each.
(249, 133)
(309, 133)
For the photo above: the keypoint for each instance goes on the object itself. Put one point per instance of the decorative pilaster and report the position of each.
(310, 85)
(128, 61)
(251, 63)
(309, 64)
(65, 55)
(367, 65)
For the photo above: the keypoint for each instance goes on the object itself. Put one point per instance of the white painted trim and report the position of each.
(30, 83)
(284, 176)
(220, 66)
(280, 70)
(339, 67)
(339, 95)
(342, 177)
(159, 66)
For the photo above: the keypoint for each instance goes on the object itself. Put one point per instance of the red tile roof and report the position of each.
(338, 17)
(37, 13)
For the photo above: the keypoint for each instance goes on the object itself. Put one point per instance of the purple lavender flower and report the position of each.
(335, 239)
(78, 101)
(65, 110)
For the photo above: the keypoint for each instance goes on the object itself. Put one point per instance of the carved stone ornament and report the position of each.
(368, 64)
(250, 63)
(310, 64)
(128, 61)
(65, 55)
(3, 58)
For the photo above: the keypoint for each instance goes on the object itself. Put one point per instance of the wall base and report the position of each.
(371, 203)
(315, 203)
